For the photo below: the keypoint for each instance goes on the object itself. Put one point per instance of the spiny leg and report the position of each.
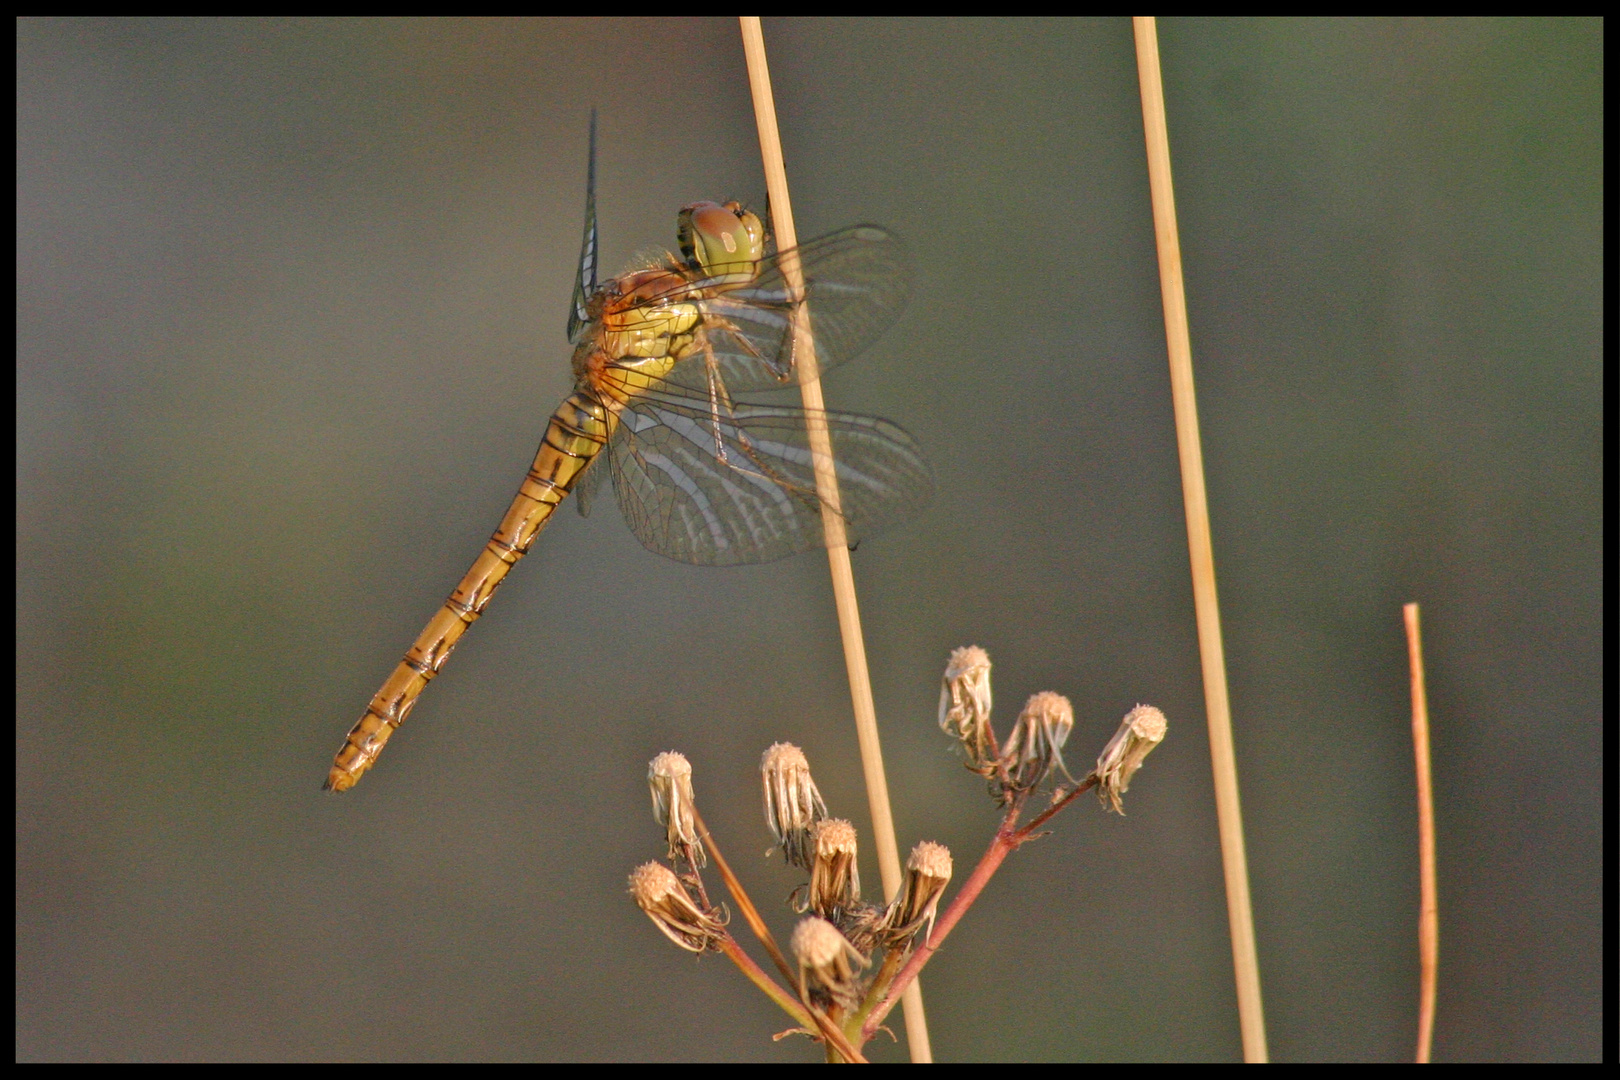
(720, 401)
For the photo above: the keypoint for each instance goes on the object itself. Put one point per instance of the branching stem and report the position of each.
(1008, 839)
(803, 1011)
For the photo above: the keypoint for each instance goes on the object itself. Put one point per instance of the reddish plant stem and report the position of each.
(1429, 905)
(829, 1030)
(1006, 841)
(756, 975)
(836, 1042)
(744, 904)
(809, 1020)
(1044, 816)
(1003, 844)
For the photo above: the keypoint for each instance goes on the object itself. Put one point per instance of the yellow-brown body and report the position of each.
(635, 340)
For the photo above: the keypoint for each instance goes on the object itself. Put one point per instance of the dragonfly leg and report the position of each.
(717, 393)
(720, 399)
(720, 322)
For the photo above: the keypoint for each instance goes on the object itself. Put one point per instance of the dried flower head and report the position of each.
(828, 963)
(1142, 729)
(792, 803)
(835, 881)
(669, 775)
(1035, 746)
(964, 704)
(661, 895)
(928, 870)
(863, 925)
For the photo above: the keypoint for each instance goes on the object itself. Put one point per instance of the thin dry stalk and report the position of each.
(750, 913)
(1009, 838)
(756, 975)
(843, 576)
(1228, 812)
(1429, 902)
(829, 1031)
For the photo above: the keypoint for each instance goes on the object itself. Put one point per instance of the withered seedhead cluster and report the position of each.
(829, 966)
(835, 879)
(1034, 749)
(829, 852)
(1035, 746)
(928, 871)
(964, 704)
(1142, 729)
(831, 984)
(669, 776)
(793, 806)
(833, 945)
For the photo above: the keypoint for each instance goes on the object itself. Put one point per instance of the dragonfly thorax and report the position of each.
(642, 288)
(649, 314)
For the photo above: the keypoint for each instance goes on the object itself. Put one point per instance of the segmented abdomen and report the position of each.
(576, 434)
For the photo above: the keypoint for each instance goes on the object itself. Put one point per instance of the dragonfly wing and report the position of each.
(857, 281)
(585, 276)
(759, 503)
(586, 485)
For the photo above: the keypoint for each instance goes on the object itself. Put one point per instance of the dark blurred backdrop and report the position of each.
(290, 311)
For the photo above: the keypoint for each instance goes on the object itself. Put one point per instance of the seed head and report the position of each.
(828, 963)
(1142, 729)
(792, 803)
(1035, 746)
(835, 881)
(964, 704)
(669, 775)
(928, 870)
(863, 925)
(661, 895)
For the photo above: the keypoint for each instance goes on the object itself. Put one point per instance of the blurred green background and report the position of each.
(290, 310)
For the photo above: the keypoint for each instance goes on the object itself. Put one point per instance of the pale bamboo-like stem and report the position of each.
(1429, 899)
(1228, 812)
(843, 575)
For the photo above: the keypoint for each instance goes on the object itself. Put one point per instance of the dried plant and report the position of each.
(835, 988)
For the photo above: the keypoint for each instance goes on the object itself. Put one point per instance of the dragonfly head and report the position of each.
(722, 241)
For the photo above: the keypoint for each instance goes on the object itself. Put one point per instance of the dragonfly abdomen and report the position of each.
(576, 434)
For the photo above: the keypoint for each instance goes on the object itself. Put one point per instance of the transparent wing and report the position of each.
(587, 484)
(585, 275)
(758, 503)
(857, 281)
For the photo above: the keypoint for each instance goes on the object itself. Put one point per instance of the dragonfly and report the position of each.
(700, 475)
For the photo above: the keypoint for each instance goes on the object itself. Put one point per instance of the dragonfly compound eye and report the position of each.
(721, 241)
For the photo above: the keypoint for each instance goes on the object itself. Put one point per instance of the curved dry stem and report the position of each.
(749, 912)
(1428, 902)
(756, 975)
(1007, 840)
(810, 1016)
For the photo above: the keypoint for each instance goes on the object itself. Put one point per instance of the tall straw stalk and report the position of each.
(843, 575)
(1229, 814)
